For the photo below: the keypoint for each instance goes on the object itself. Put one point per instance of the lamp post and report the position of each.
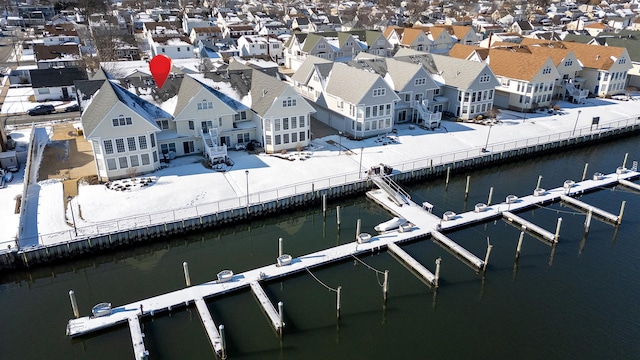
(339, 142)
(75, 230)
(524, 113)
(576, 124)
(484, 149)
(246, 172)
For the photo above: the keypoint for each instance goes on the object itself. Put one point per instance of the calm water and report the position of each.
(578, 300)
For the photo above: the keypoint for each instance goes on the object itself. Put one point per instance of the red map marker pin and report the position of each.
(160, 67)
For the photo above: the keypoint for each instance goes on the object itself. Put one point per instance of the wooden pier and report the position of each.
(421, 224)
(412, 263)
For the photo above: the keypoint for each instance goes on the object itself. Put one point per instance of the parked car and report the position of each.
(71, 108)
(41, 110)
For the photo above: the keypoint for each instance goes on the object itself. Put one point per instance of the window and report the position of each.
(546, 70)
(145, 159)
(294, 137)
(178, 49)
(286, 138)
(108, 147)
(302, 136)
(163, 124)
(191, 125)
(142, 141)
(568, 63)
(267, 140)
(134, 160)
(379, 92)
(289, 103)
(285, 123)
(622, 61)
(153, 140)
(278, 142)
(485, 78)
(122, 121)
(267, 124)
(277, 125)
(321, 46)
(204, 105)
(294, 123)
(242, 115)
(188, 147)
(162, 49)
(301, 121)
(111, 164)
(420, 81)
(167, 148)
(122, 161)
(120, 145)
(96, 146)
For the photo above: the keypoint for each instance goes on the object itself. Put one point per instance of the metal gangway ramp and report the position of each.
(393, 190)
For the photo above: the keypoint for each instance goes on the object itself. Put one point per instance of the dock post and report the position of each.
(539, 181)
(324, 204)
(584, 173)
(437, 277)
(466, 189)
(486, 258)
(338, 302)
(519, 247)
(223, 343)
(281, 313)
(187, 278)
(338, 215)
(357, 229)
(587, 222)
(279, 247)
(74, 304)
(385, 285)
(624, 163)
(555, 237)
(490, 196)
(624, 202)
(448, 173)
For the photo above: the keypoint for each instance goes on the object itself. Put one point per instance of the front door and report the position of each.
(65, 92)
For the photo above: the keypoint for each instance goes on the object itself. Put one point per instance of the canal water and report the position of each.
(577, 300)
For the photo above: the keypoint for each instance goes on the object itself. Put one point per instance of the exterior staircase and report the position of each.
(214, 152)
(393, 190)
(579, 95)
(429, 119)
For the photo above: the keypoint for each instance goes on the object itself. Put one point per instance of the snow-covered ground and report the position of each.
(186, 188)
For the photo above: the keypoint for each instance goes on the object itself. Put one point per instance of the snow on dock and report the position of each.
(267, 306)
(209, 325)
(453, 246)
(629, 184)
(529, 226)
(582, 205)
(137, 338)
(412, 263)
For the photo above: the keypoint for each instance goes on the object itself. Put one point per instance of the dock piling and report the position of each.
(324, 204)
(448, 175)
(466, 189)
(437, 278)
(624, 202)
(338, 215)
(539, 181)
(187, 278)
(519, 247)
(74, 304)
(624, 162)
(338, 302)
(223, 343)
(490, 196)
(385, 285)
(281, 313)
(557, 234)
(486, 258)
(584, 173)
(358, 223)
(587, 222)
(280, 252)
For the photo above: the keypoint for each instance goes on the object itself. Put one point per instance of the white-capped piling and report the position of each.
(338, 302)
(624, 162)
(281, 313)
(338, 215)
(280, 247)
(466, 189)
(624, 202)
(486, 258)
(490, 196)
(557, 234)
(437, 275)
(324, 204)
(584, 173)
(187, 278)
(519, 247)
(448, 174)
(74, 304)
(385, 285)
(223, 343)
(539, 181)
(587, 222)
(358, 223)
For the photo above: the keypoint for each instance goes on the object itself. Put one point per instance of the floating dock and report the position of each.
(582, 205)
(412, 263)
(422, 223)
(529, 226)
(630, 184)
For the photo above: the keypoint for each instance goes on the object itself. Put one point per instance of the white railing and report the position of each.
(288, 191)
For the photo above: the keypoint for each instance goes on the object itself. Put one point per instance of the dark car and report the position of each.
(41, 110)
(71, 108)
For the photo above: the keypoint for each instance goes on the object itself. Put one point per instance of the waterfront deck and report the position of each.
(421, 224)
